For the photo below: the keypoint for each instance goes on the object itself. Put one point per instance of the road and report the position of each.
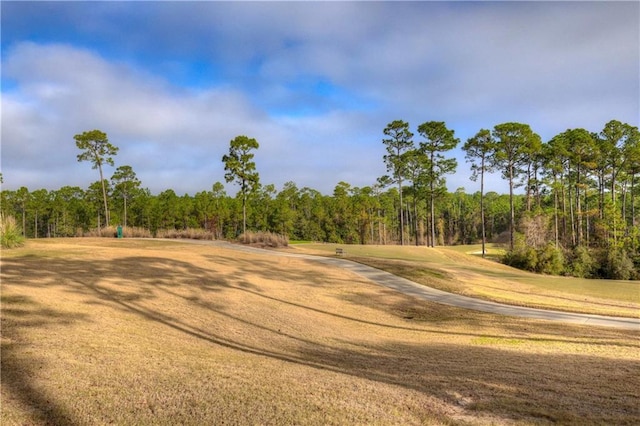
(420, 291)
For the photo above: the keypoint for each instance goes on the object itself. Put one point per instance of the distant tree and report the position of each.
(622, 142)
(261, 206)
(241, 168)
(399, 142)
(582, 155)
(125, 183)
(186, 212)
(39, 205)
(509, 154)
(532, 161)
(167, 214)
(632, 155)
(555, 162)
(94, 198)
(365, 203)
(438, 139)
(285, 209)
(478, 149)
(68, 208)
(417, 166)
(22, 199)
(203, 209)
(221, 209)
(96, 149)
(613, 137)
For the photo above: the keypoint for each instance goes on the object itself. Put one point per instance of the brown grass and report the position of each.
(189, 233)
(111, 232)
(156, 332)
(264, 239)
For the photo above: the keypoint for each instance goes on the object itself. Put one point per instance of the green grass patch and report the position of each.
(624, 291)
(492, 250)
(294, 242)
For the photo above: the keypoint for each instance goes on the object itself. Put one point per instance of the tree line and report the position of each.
(577, 211)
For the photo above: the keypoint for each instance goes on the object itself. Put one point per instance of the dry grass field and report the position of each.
(162, 333)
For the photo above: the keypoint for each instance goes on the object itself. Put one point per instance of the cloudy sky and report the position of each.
(171, 83)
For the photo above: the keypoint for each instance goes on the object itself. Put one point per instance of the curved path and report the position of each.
(408, 287)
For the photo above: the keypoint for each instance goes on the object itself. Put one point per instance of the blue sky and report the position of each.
(315, 83)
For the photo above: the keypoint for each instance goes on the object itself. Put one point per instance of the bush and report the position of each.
(189, 233)
(550, 260)
(10, 235)
(264, 239)
(112, 231)
(617, 265)
(545, 260)
(582, 263)
(521, 256)
(104, 232)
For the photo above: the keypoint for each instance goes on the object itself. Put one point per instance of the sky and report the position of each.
(315, 83)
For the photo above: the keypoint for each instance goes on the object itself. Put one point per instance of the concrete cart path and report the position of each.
(411, 288)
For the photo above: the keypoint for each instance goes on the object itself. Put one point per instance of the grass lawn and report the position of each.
(152, 332)
(460, 269)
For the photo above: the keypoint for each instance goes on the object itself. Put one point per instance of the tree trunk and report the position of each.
(433, 220)
(624, 204)
(573, 221)
(415, 219)
(613, 202)
(555, 211)
(401, 213)
(24, 221)
(512, 213)
(586, 209)
(578, 209)
(125, 211)
(484, 236)
(104, 196)
(529, 187)
(601, 195)
(244, 214)
(633, 201)
(433, 211)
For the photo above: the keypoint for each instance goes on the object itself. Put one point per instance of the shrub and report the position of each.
(189, 233)
(104, 232)
(264, 239)
(10, 235)
(112, 231)
(521, 256)
(582, 263)
(546, 260)
(550, 260)
(617, 265)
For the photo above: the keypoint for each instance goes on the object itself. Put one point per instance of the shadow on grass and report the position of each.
(485, 379)
(18, 313)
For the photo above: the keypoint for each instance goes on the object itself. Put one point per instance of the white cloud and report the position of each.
(173, 138)
(473, 65)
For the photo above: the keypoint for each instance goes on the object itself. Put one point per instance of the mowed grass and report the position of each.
(151, 332)
(460, 269)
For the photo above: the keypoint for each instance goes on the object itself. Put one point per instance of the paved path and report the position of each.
(406, 286)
